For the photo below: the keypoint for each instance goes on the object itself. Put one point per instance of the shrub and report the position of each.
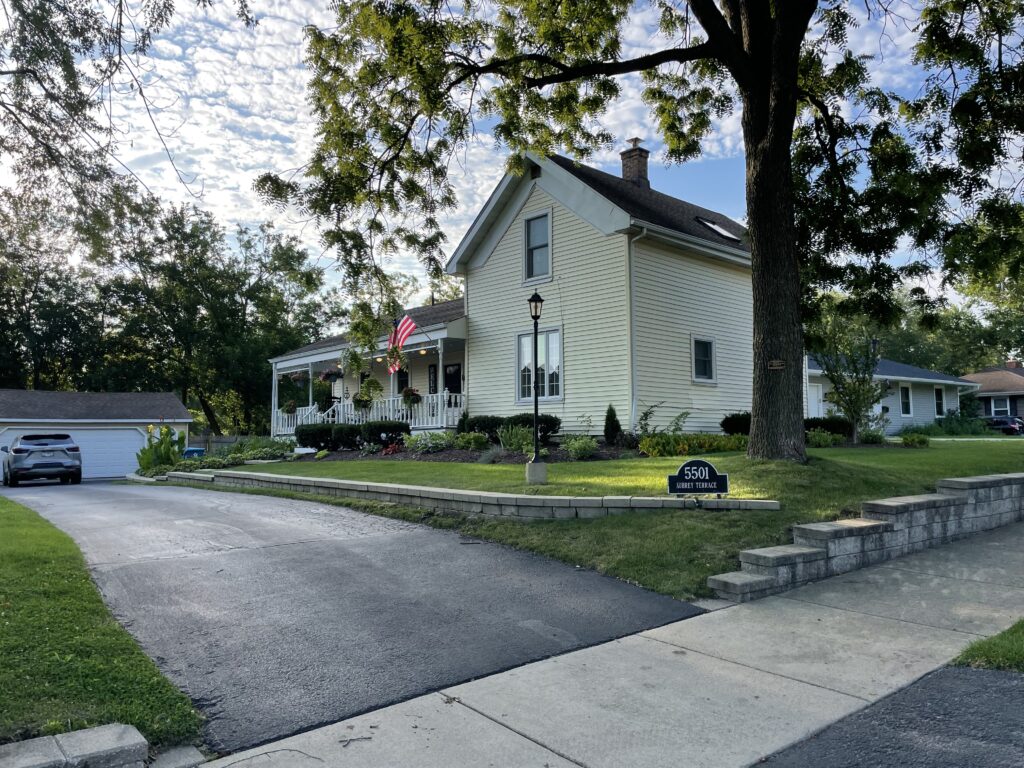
(346, 437)
(665, 444)
(259, 454)
(321, 455)
(316, 436)
(246, 444)
(736, 423)
(491, 455)
(385, 432)
(916, 441)
(953, 423)
(628, 441)
(612, 428)
(430, 442)
(820, 438)
(872, 437)
(516, 438)
(462, 426)
(489, 425)
(580, 447)
(472, 441)
(837, 425)
(547, 424)
(370, 449)
(163, 448)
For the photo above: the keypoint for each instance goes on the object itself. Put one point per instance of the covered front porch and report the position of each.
(435, 368)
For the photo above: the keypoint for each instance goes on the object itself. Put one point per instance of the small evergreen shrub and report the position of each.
(489, 425)
(837, 425)
(736, 423)
(316, 436)
(385, 432)
(346, 437)
(872, 437)
(627, 441)
(820, 438)
(916, 441)
(665, 444)
(580, 447)
(547, 424)
(472, 441)
(462, 426)
(612, 427)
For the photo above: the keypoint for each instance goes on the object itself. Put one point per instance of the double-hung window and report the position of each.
(940, 401)
(549, 365)
(704, 360)
(538, 247)
(1000, 406)
(906, 404)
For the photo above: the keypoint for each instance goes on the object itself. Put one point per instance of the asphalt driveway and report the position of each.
(277, 615)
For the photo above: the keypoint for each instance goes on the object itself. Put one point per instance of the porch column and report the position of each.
(442, 389)
(310, 368)
(273, 400)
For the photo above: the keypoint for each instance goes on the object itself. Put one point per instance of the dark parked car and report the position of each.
(1008, 425)
(42, 457)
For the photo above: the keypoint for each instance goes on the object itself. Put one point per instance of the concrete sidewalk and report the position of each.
(723, 689)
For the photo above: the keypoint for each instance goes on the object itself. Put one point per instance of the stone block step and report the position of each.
(900, 504)
(787, 554)
(742, 587)
(818, 534)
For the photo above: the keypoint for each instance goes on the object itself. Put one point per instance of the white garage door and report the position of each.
(106, 451)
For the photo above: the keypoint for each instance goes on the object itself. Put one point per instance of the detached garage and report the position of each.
(109, 427)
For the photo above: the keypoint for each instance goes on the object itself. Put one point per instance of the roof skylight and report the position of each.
(718, 229)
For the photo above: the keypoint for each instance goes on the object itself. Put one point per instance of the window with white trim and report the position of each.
(549, 365)
(940, 401)
(1000, 406)
(906, 403)
(538, 247)
(703, 360)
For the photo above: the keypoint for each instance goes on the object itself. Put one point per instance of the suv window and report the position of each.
(44, 440)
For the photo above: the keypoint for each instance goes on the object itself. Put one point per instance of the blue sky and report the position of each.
(232, 104)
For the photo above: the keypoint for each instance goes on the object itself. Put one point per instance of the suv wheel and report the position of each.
(12, 481)
(5, 478)
(65, 479)
(76, 479)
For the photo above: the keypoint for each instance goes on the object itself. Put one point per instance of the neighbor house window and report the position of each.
(549, 365)
(1000, 406)
(906, 405)
(940, 401)
(538, 247)
(703, 360)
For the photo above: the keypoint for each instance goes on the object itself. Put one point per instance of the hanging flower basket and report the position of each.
(298, 376)
(329, 376)
(411, 397)
(289, 407)
(361, 402)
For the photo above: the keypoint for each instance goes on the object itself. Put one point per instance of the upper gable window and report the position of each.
(718, 229)
(538, 247)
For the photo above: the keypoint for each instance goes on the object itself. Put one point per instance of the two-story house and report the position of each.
(647, 303)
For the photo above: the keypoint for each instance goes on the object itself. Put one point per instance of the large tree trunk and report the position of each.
(769, 114)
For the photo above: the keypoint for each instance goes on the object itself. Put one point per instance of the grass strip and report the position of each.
(1003, 651)
(65, 663)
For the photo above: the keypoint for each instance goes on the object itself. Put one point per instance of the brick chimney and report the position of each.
(1013, 363)
(634, 164)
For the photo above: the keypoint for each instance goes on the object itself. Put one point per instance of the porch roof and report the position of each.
(426, 317)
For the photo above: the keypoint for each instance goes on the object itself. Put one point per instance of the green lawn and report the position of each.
(1004, 651)
(675, 552)
(64, 662)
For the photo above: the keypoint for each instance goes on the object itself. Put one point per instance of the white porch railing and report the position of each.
(438, 411)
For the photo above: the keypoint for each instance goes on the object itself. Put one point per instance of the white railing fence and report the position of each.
(438, 411)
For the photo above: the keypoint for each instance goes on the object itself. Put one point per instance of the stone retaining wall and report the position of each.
(467, 502)
(887, 528)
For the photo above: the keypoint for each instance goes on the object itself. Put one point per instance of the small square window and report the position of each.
(703, 360)
(538, 247)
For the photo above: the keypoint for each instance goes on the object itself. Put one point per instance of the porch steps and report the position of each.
(887, 528)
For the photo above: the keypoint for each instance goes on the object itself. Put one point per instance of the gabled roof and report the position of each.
(608, 203)
(891, 369)
(998, 379)
(37, 405)
(653, 207)
(424, 317)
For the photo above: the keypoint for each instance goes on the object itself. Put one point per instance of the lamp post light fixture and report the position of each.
(536, 471)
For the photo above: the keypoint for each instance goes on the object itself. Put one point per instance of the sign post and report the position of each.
(697, 478)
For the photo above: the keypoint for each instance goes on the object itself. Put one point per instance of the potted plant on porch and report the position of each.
(411, 397)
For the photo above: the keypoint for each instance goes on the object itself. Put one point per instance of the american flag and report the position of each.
(403, 330)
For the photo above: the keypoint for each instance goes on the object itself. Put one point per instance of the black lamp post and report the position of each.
(536, 305)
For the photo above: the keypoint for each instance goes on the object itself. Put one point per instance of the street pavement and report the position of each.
(277, 615)
(735, 686)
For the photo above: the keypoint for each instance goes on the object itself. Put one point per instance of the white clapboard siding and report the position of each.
(586, 299)
(677, 295)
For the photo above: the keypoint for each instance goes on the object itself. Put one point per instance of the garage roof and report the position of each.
(36, 405)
